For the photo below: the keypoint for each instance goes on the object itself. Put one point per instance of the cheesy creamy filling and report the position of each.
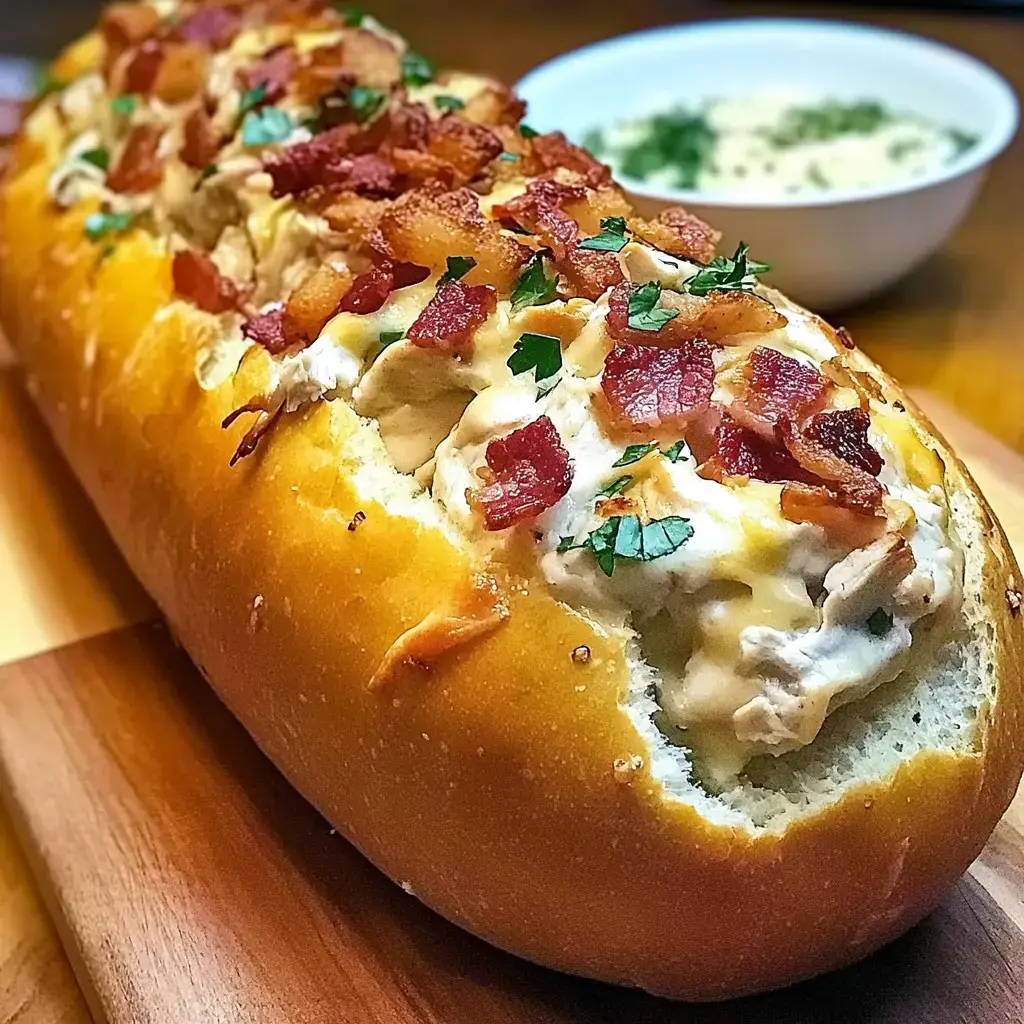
(758, 626)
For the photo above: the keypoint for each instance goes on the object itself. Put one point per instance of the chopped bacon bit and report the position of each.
(466, 146)
(143, 66)
(742, 453)
(138, 169)
(124, 25)
(554, 150)
(266, 417)
(815, 504)
(197, 279)
(370, 291)
(426, 226)
(409, 126)
(845, 432)
(495, 105)
(371, 59)
(679, 233)
(313, 303)
(328, 160)
(653, 389)
(452, 315)
(588, 273)
(213, 25)
(365, 174)
(273, 70)
(852, 487)
(530, 471)
(201, 141)
(777, 385)
(539, 211)
(267, 329)
(182, 73)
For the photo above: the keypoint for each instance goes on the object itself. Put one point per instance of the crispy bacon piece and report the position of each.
(426, 226)
(852, 487)
(716, 318)
(313, 303)
(124, 25)
(370, 291)
(649, 389)
(739, 452)
(845, 432)
(267, 329)
(273, 70)
(816, 504)
(143, 65)
(138, 169)
(328, 160)
(201, 141)
(213, 25)
(372, 60)
(197, 279)
(466, 146)
(539, 211)
(775, 386)
(553, 151)
(181, 74)
(452, 315)
(530, 471)
(679, 233)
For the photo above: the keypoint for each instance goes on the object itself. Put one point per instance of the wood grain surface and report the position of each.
(195, 886)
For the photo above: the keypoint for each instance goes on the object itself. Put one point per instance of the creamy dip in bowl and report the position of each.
(841, 216)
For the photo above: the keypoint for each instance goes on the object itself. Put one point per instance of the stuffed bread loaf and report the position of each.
(618, 608)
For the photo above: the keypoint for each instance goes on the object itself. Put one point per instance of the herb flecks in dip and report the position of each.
(778, 144)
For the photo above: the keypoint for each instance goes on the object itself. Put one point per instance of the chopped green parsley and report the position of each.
(626, 539)
(644, 314)
(534, 287)
(538, 352)
(458, 267)
(98, 225)
(265, 126)
(727, 274)
(448, 103)
(365, 102)
(612, 237)
(417, 69)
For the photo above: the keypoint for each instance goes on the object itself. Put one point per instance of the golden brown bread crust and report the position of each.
(487, 784)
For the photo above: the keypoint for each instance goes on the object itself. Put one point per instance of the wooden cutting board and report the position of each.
(189, 883)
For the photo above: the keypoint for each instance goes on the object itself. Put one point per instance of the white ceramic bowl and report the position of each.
(826, 251)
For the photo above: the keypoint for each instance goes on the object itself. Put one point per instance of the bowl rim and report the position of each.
(1002, 98)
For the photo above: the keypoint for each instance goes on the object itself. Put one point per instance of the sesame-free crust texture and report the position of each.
(487, 784)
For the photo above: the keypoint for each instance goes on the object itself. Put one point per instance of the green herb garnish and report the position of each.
(99, 157)
(417, 69)
(538, 352)
(615, 487)
(725, 274)
(675, 452)
(353, 15)
(448, 103)
(828, 121)
(123, 106)
(263, 127)
(644, 313)
(534, 287)
(679, 141)
(962, 141)
(612, 237)
(252, 98)
(508, 157)
(364, 102)
(98, 225)
(634, 453)
(47, 83)
(625, 538)
(458, 267)
(390, 337)
(879, 622)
